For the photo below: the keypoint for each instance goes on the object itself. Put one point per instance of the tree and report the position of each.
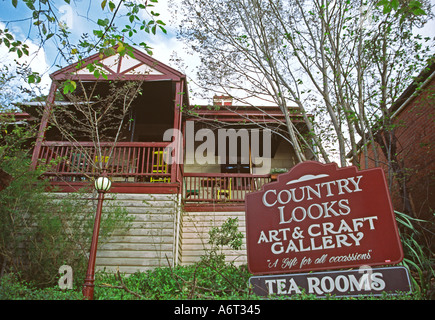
(116, 24)
(344, 61)
(98, 112)
(113, 32)
(39, 232)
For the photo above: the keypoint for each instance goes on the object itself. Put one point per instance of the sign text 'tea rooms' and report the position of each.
(319, 217)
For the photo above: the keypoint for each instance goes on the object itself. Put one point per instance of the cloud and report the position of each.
(36, 61)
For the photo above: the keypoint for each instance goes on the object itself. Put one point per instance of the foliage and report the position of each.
(416, 236)
(108, 32)
(14, 138)
(278, 170)
(227, 235)
(12, 288)
(211, 277)
(40, 232)
(13, 88)
(201, 280)
(413, 7)
(343, 62)
(196, 281)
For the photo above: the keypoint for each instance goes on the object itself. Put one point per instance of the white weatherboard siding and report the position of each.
(151, 240)
(194, 236)
(160, 233)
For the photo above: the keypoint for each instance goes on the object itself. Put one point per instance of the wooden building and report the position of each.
(174, 202)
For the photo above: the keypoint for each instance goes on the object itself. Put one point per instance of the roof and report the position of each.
(422, 78)
(233, 113)
(120, 67)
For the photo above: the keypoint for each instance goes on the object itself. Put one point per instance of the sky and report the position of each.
(80, 16)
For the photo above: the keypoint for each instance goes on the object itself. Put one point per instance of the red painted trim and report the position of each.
(131, 68)
(149, 188)
(105, 144)
(43, 125)
(17, 116)
(118, 68)
(224, 175)
(178, 101)
(237, 112)
(117, 77)
(69, 72)
(213, 207)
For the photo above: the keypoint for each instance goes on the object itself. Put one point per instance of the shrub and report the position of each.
(39, 232)
(196, 281)
(419, 258)
(12, 288)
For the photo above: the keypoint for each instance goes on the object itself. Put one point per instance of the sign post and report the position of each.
(320, 217)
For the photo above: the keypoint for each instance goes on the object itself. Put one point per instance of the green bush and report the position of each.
(196, 281)
(12, 288)
(415, 235)
(39, 232)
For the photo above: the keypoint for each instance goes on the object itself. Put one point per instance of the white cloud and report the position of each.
(36, 61)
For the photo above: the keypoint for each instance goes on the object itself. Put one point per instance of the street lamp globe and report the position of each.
(103, 184)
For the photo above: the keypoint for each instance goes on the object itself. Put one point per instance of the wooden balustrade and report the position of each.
(126, 161)
(142, 162)
(220, 187)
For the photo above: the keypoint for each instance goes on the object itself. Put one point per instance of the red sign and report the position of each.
(319, 217)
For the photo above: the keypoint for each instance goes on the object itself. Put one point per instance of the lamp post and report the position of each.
(102, 185)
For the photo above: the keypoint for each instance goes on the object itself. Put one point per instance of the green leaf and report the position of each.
(386, 4)
(163, 30)
(34, 78)
(15, 3)
(103, 4)
(103, 23)
(415, 7)
(69, 86)
(31, 79)
(121, 48)
(111, 6)
(419, 12)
